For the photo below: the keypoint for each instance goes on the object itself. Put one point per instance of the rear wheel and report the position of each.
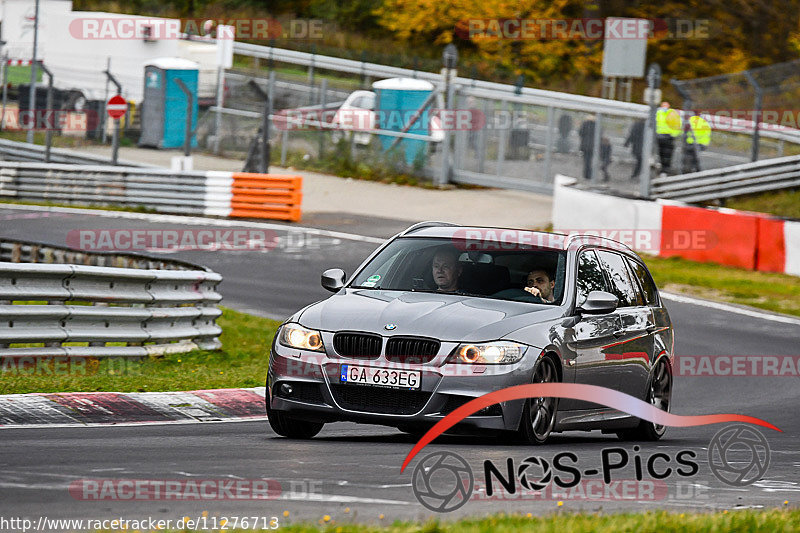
(539, 414)
(286, 426)
(659, 395)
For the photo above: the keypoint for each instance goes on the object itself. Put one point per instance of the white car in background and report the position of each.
(357, 115)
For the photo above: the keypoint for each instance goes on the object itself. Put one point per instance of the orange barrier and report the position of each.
(715, 237)
(771, 245)
(266, 196)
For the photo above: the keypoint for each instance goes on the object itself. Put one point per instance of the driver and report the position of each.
(540, 283)
(446, 269)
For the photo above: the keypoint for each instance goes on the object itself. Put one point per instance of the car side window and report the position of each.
(646, 281)
(590, 276)
(635, 282)
(621, 285)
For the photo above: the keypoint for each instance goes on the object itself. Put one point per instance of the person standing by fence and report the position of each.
(698, 137)
(668, 127)
(635, 140)
(586, 133)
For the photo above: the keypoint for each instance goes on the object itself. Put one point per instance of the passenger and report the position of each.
(540, 283)
(446, 269)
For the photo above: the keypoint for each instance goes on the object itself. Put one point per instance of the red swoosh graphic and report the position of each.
(574, 391)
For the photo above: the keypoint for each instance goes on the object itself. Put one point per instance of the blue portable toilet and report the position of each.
(164, 107)
(398, 99)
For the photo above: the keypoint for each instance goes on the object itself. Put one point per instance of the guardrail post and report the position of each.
(756, 113)
(48, 132)
(4, 76)
(322, 130)
(32, 89)
(653, 95)
(218, 115)
(548, 149)
(501, 143)
(311, 75)
(484, 136)
(450, 63)
(115, 138)
(363, 68)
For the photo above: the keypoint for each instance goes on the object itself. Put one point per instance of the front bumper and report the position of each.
(317, 395)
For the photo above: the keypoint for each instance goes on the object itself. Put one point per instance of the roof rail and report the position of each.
(426, 224)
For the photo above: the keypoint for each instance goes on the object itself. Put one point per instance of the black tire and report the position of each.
(539, 414)
(292, 428)
(659, 394)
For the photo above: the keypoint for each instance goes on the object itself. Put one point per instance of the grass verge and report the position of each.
(772, 521)
(133, 209)
(242, 362)
(784, 203)
(765, 290)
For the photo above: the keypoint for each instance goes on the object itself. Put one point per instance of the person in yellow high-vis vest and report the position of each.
(668, 127)
(698, 137)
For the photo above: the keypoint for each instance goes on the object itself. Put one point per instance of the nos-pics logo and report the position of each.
(738, 455)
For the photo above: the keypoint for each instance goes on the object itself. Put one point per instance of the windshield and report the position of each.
(447, 265)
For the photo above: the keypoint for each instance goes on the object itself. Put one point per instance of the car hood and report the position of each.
(448, 317)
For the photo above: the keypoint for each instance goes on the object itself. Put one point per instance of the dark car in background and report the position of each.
(441, 314)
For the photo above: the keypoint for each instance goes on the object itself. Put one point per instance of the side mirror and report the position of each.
(599, 303)
(333, 279)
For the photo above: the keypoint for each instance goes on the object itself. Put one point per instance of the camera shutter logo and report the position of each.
(738, 455)
(442, 481)
(528, 470)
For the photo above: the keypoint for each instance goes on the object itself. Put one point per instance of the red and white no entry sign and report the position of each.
(116, 106)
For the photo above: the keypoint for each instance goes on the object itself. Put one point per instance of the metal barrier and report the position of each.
(749, 178)
(49, 310)
(188, 192)
(20, 151)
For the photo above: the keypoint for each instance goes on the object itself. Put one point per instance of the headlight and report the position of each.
(490, 353)
(296, 336)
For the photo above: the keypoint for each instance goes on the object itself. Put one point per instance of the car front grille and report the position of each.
(379, 400)
(412, 350)
(357, 345)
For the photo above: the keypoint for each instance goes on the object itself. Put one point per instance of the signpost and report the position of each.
(116, 108)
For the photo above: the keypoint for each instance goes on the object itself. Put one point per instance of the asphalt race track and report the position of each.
(351, 471)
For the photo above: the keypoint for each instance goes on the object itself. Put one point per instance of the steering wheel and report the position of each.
(518, 295)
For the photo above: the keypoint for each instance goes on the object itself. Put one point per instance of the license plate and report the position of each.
(380, 377)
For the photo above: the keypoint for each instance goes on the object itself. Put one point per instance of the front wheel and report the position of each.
(539, 414)
(286, 426)
(659, 395)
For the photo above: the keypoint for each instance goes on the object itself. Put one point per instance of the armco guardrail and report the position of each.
(21, 151)
(748, 178)
(77, 310)
(233, 194)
